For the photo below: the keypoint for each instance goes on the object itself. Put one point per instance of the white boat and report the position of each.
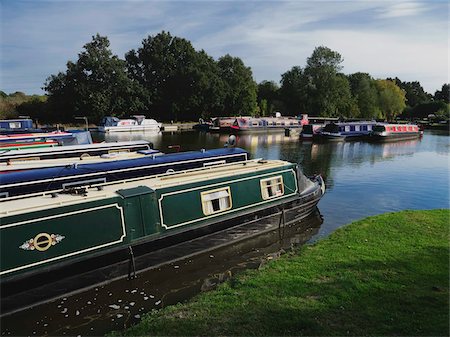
(136, 123)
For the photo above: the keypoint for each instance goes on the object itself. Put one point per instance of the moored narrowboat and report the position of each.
(347, 130)
(84, 174)
(310, 131)
(136, 123)
(268, 124)
(391, 132)
(101, 230)
(72, 151)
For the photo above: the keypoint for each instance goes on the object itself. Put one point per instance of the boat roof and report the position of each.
(24, 204)
(68, 148)
(146, 161)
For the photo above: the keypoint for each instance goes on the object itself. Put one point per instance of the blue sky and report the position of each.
(407, 39)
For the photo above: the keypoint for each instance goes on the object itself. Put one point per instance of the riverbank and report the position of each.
(383, 275)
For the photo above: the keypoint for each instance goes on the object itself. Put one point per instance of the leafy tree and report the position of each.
(96, 85)
(364, 91)
(292, 91)
(327, 94)
(177, 81)
(414, 92)
(443, 94)
(438, 108)
(391, 98)
(239, 86)
(268, 101)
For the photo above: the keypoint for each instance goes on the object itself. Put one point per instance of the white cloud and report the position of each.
(383, 38)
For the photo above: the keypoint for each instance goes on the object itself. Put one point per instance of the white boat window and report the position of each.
(216, 201)
(272, 187)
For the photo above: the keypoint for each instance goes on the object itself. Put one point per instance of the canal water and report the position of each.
(362, 179)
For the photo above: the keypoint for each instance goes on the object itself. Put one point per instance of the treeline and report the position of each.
(167, 79)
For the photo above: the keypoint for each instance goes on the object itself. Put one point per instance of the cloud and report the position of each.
(383, 38)
(402, 9)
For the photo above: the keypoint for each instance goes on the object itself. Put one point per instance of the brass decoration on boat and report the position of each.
(42, 241)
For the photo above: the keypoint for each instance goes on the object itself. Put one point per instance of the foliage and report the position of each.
(292, 91)
(327, 94)
(94, 86)
(391, 99)
(364, 90)
(268, 91)
(438, 108)
(414, 92)
(177, 81)
(10, 105)
(443, 94)
(239, 86)
(381, 276)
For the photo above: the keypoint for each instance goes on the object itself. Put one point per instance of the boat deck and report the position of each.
(41, 201)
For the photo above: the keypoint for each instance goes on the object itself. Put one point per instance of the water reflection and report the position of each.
(121, 303)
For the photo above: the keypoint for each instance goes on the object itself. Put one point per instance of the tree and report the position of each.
(327, 94)
(268, 92)
(364, 91)
(239, 86)
(391, 98)
(177, 81)
(414, 92)
(443, 94)
(292, 91)
(96, 85)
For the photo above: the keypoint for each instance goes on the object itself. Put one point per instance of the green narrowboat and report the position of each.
(53, 237)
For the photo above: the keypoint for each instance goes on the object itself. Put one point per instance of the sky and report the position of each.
(404, 39)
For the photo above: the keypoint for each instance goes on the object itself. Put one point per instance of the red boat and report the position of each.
(392, 132)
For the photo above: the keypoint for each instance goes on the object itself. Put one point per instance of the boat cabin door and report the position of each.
(139, 211)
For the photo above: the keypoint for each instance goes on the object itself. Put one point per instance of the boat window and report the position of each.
(216, 201)
(14, 125)
(255, 123)
(347, 128)
(380, 128)
(357, 128)
(272, 187)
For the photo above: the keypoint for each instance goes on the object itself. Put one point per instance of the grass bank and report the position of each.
(383, 275)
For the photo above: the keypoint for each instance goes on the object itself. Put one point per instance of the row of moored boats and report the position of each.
(73, 215)
(325, 130)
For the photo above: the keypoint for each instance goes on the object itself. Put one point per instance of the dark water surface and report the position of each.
(362, 179)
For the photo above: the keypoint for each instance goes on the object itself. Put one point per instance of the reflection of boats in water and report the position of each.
(61, 236)
(170, 276)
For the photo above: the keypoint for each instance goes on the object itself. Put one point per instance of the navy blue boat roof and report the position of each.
(80, 169)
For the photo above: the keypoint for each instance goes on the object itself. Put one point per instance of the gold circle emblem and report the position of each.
(42, 241)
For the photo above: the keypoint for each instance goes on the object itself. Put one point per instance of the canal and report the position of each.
(362, 179)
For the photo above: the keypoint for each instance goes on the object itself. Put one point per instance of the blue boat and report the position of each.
(347, 130)
(79, 175)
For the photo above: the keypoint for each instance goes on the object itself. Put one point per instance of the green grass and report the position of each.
(383, 275)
